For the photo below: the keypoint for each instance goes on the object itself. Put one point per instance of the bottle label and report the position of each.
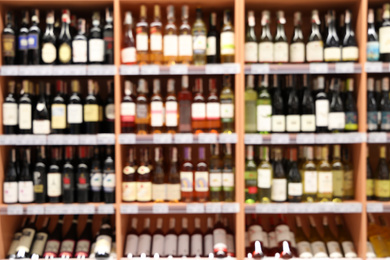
(158, 244)
(170, 45)
(372, 51)
(170, 245)
(348, 249)
(227, 110)
(230, 244)
(49, 53)
(156, 42)
(185, 45)
(79, 48)
(39, 243)
(266, 52)
(196, 245)
(144, 191)
(26, 191)
(372, 120)
(143, 170)
(295, 189)
(278, 123)
(10, 114)
(202, 181)
(142, 41)
(297, 52)
(96, 181)
(310, 181)
(251, 52)
(184, 116)
(304, 249)
(171, 113)
(382, 188)
(319, 250)
(370, 187)
(109, 182)
(131, 245)
(199, 44)
(315, 51)
(51, 249)
(65, 53)
(264, 113)
(183, 247)
(228, 181)
(281, 52)
(308, 123)
(142, 111)
(129, 191)
(173, 192)
(58, 116)
(96, 50)
(109, 112)
(227, 43)
(10, 194)
(322, 113)
(385, 120)
(74, 114)
(186, 179)
(338, 179)
(33, 41)
(351, 121)
(264, 178)
(255, 233)
(103, 244)
(279, 190)
(23, 42)
(67, 247)
(82, 248)
(91, 113)
(26, 240)
(325, 182)
(282, 233)
(129, 55)
(350, 53)
(41, 127)
(211, 46)
(219, 240)
(54, 184)
(215, 181)
(336, 120)
(208, 244)
(198, 111)
(384, 39)
(251, 178)
(25, 114)
(293, 123)
(127, 112)
(334, 249)
(157, 118)
(332, 54)
(158, 191)
(144, 243)
(213, 111)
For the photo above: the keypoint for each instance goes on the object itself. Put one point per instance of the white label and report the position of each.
(127, 109)
(334, 249)
(158, 191)
(215, 179)
(199, 43)
(131, 245)
(185, 45)
(198, 111)
(318, 249)
(144, 243)
(332, 54)
(26, 191)
(158, 244)
(109, 182)
(278, 123)
(310, 179)
(315, 51)
(266, 52)
(201, 181)
(129, 191)
(279, 190)
(350, 53)
(384, 39)
(41, 127)
(227, 43)
(79, 48)
(10, 193)
(227, 110)
(171, 113)
(211, 46)
(54, 184)
(281, 52)
(39, 243)
(282, 233)
(144, 191)
(264, 113)
(103, 244)
(170, 245)
(25, 116)
(142, 41)
(348, 249)
(264, 178)
(294, 189)
(10, 114)
(336, 120)
(251, 52)
(220, 239)
(170, 45)
(67, 246)
(208, 244)
(213, 110)
(157, 113)
(297, 52)
(293, 123)
(308, 123)
(325, 183)
(75, 113)
(322, 113)
(49, 53)
(96, 50)
(173, 192)
(156, 42)
(183, 245)
(110, 111)
(129, 55)
(186, 179)
(255, 233)
(227, 179)
(196, 245)
(304, 250)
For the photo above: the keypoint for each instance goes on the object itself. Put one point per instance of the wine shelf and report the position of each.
(340, 138)
(180, 208)
(306, 208)
(205, 138)
(377, 67)
(56, 209)
(313, 68)
(60, 70)
(99, 139)
(378, 207)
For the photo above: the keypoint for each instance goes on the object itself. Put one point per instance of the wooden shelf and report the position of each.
(99, 139)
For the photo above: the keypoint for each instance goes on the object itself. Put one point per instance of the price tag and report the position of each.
(347, 207)
(56, 139)
(84, 209)
(101, 70)
(15, 210)
(374, 67)
(280, 138)
(162, 138)
(195, 208)
(374, 207)
(213, 207)
(214, 69)
(9, 70)
(184, 138)
(77, 70)
(129, 209)
(127, 138)
(306, 138)
(230, 207)
(178, 69)
(105, 209)
(231, 68)
(35, 210)
(106, 139)
(31, 140)
(260, 69)
(9, 139)
(160, 208)
(36, 70)
(325, 207)
(345, 67)
(355, 137)
(271, 208)
(150, 70)
(377, 137)
(129, 70)
(253, 139)
(207, 138)
(296, 208)
(228, 138)
(324, 138)
(88, 139)
(318, 68)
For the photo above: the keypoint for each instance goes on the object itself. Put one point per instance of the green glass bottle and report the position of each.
(264, 108)
(325, 177)
(250, 105)
(309, 176)
(199, 33)
(228, 174)
(264, 175)
(348, 187)
(279, 179)
(351, 114)
(250, 176)
(215, 174)
(227, 106)
(338, 174)
(382, 180)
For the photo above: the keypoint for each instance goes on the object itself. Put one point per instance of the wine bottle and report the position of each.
(170, 249)
(372, 38)
(325, 177)
(332, 244)
(11, 254)
(170, 38)
(196, 240)
(54, 187)
(317, 244)
(338, 174)
(198, 108)
(250, 105)
(65, 40)
(145, 240)
(74, 109)
(293, 118)
(382, 180)
(351, 114)
(80, 44)
(185, 103)
(156, 109)
(384, 49)
(376, 237)
(95, 41)
(158, 185)
(208, 238)
(251, 46)
(173, 186)
(54, 241)
(68, 176)
(199, 32)
(369, 178)
(348, 183)
(227, 106)
(279, 180)
(10, 111)
(22, 53)
(109, 109)
(201, 177)
(40, 239)
(8, 41)
(156, 44)
(187, 176)
(336, 110)
(144, 177)
(84, 241)
(25, 110)
(297, 47)
(49, 49)
(183, 244)
(129, 188)
(256, 238)
(26, 240)
(294, 188)
(158, 239)
(384, 106)
(227, 45)
(39, 176)
(171, 113)
(91, 110)
(10, 185)
(83, 180)
(264, 175)
(96, 177)
(128, 52)
(281, 43)
(41, 119)
(132, 239)
(250, 176)
(109, 177)
(215, 165)
(315, 44)
(108, 37)
(308, 118)
(34, 38)
(219, 235)
(128, 108)
(142, 118)
(332, 50)
(104, 240)
(212, 47)
(142, 41)
(228, 174)
(264, 108)
(68, 243)
(345, 239)
(25, 184)
(266, 45)
(303, 245)
(213, 109)
(231, 250)
(372, 107)
(278, 116)
(58, 110)
(321, 107)
(350, 51)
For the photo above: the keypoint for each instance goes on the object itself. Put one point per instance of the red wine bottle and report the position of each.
(53, 243)
(104, 240)
(15, 240)
(82, 176)
(68, 244)
(68, 177)
(91, 110)
(109, 109)
(109, 177)
(96, 177)
(25, 184)
(10, 185)
(40, 240)
(54, 191)
(84, 242)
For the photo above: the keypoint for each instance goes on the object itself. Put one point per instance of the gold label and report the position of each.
(58, 116)
(382, 188)
(91, 113)
(65, 53)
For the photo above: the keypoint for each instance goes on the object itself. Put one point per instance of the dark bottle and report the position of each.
(308, 118)
(58, 110)
(384, 34)
(40, 240)
(372, 108)
(281, 42)
(72, 27)
(34, 35)
(10, 185)
(108, 37)
(382, 177)
(95, 41)
(321, 107)
(82, 176)
(80, 44)
(10, 111)
(48, 95)
(332, 50)
(54, 187)
(68, 243)
(370, 179)
(25, 110)
(52, 247)
(25, 184)
(91, 110)
(297, 47)
(68, 176)
(96, 177)
(84, 241)
(279, 179)
(41, 117)
(351, 114)
(39, 176)
(220, 243)
(350, 51)
(49, 49)
(294, 187)
(104, 240)
(22, 39)
(278, 119)
(109, 177)
(293, 118)
(314, 47)
(384, 106)
(8, 41)
(25, 242)
(372, 38)
(109, 109)
(11, 254)
(74, 109)
(173, 185)
(128, 108)
(65, 40)
(336, 109)
(213, 46)
(158, 185)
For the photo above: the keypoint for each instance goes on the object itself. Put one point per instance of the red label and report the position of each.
(127, 118)
(252, 190)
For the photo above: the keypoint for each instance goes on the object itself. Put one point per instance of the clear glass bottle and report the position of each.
(142, 38)
(199, 40)
(227, 38)
(156, 43)
(170, 38)
(185, 37)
